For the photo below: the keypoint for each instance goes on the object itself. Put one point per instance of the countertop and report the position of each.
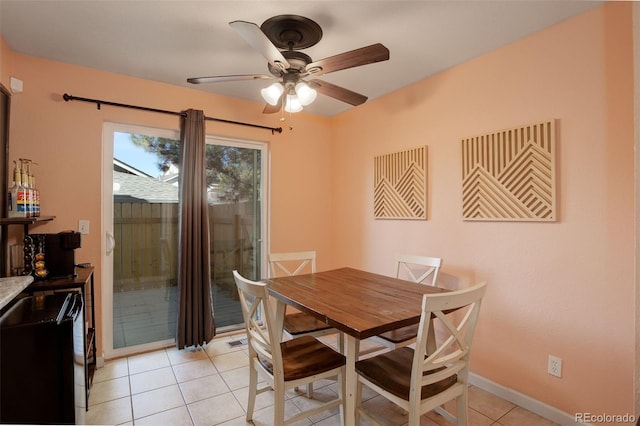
(10, 287)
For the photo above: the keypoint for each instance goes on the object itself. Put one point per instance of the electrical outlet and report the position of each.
(554, 367)
(83, 227)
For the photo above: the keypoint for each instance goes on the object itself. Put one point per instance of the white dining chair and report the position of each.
(296, 323)
(418, 381)
(419, 269)
(283, 365)
(291, 263)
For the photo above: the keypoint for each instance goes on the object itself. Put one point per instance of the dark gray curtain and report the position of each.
(196, 324)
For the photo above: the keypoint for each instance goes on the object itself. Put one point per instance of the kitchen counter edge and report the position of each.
(10, 287)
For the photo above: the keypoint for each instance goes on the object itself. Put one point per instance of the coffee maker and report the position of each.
(50, 256)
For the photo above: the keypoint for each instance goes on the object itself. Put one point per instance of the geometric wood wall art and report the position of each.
(510, 175)
(400, 185)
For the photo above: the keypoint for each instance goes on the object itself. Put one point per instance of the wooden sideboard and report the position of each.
(82, 282)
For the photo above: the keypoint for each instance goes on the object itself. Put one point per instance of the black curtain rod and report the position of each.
(99, 102)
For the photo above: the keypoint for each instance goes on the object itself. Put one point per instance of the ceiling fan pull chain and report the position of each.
(290, 120)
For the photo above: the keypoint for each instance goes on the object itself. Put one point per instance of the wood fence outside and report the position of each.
(146, 251)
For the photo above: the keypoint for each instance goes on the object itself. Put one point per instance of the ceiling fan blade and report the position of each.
(272, 109)
(354, 58)
(259, 41)
(222, 78)
(337, 92)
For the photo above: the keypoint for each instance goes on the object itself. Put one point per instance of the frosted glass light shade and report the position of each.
(293, 104)
(306, 94)
(272, 93)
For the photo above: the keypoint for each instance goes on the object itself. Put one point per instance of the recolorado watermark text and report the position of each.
(604, 418)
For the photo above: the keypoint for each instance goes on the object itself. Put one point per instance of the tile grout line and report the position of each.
(130, 392)
(505, 414)
(186, 406)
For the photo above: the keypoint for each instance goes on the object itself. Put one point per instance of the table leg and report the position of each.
(351, 349)
(279, 310)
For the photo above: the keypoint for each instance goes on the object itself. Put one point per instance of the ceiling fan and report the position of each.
(280, 39)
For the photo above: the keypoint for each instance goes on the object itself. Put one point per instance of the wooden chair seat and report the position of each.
(401, 334)
(300, 323)
(305, 356)
(397, 378)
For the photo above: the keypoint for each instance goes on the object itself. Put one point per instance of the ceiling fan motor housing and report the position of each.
(297, 61)
(292, 32)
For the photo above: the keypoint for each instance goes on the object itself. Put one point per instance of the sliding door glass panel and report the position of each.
(145, 229)
(234, 177)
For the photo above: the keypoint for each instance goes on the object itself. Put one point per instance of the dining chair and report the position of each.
(298, 323)
(419, 269)
(419, 382)
(284, 365)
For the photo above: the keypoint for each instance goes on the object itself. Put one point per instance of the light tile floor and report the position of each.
(210, 386)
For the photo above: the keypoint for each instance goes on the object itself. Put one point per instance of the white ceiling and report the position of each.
(169, 41)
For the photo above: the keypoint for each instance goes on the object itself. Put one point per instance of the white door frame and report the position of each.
(107, 224)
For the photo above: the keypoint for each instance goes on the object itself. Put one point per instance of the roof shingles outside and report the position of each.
(130, 188)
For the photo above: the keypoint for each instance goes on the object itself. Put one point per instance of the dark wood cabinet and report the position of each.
(82, 282)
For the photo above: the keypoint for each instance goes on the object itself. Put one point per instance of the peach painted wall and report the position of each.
(563, 288)
(556, 288)
(65, 138)
(5, 63)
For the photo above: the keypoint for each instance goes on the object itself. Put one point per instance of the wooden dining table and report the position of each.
(359, 304)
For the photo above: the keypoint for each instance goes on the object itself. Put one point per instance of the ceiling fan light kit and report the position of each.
(305, 93)
(292, 104)
(290, 66)
(272, 93)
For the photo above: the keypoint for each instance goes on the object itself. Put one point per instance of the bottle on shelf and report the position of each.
(35, 193)
(14, 205)
(37, 197)
(32, 194)
(27, 193)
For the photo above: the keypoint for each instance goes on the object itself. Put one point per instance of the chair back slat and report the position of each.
(457, 313)
(292, 263)
(443, 374)
(259, 321)
(418, 268)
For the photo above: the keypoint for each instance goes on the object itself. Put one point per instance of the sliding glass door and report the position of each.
(235, 173)
(141, 219)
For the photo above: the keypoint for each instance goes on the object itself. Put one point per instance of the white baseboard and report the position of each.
(540, 408)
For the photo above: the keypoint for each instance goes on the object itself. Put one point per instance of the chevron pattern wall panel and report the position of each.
(400, 185)
(510, 175)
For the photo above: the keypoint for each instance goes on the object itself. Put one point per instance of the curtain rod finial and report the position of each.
(67, 97)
